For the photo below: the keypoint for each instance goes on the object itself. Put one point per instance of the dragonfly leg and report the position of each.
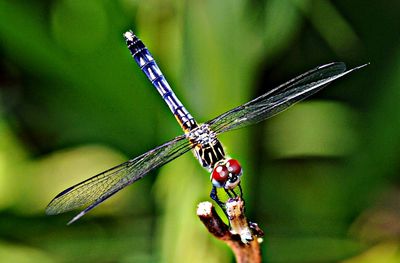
(241, 191)
(214, 196)
(228, 193)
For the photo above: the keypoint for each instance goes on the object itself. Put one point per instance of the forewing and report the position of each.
(280, 98)
(98, 188)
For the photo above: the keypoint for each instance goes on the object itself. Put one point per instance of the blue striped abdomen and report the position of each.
(148, 65)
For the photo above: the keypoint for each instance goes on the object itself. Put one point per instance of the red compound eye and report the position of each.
(220, 173)
(234, 166)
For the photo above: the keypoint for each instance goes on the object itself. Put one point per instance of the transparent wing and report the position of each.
(98, 188)
(280, 98)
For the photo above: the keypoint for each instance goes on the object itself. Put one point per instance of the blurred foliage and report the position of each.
(321, 179)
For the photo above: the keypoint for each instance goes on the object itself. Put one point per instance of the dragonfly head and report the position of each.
(226, 174)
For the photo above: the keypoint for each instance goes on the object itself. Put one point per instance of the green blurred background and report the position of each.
(321, 179)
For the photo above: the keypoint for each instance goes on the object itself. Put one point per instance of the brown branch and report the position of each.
(243, 238)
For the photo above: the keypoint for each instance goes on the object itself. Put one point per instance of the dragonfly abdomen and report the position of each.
(149, 66)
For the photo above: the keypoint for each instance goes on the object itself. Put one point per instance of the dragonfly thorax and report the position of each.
(208, 149)
(202, 135)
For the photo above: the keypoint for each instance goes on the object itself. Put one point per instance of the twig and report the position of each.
(242, 237)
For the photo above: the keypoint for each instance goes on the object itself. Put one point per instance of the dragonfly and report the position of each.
(225, 172)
